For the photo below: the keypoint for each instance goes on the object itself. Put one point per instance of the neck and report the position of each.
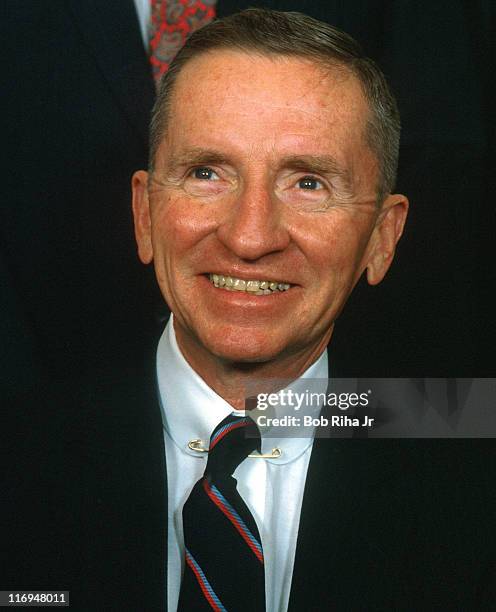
(231, 379)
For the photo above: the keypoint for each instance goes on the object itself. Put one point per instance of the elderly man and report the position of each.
(269, 193)
(274, 149)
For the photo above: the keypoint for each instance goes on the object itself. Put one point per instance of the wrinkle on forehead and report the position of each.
(232, 80)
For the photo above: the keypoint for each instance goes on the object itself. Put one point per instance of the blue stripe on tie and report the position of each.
(205, 583)
(241, 523)
(242, 420)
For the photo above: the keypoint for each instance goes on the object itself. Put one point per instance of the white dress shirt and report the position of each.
(143, 12)
(271, 488)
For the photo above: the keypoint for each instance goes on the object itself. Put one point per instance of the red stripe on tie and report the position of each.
(228, 430)
(233, 520)
(208, 597)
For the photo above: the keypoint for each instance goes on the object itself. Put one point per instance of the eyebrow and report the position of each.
(319, 164)
(196, 155)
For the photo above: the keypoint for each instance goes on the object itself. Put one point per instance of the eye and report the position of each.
(304, 192)
(310, 182)
(205, 182)
(204, 173)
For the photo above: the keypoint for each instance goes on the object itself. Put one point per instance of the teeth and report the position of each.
(251, 286)
(239, 285)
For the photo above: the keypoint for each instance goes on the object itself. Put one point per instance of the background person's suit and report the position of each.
(78, 98)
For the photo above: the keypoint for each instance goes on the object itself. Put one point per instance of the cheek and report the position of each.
(335, 246)
(180, 223)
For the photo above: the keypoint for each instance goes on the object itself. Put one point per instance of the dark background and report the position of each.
(77, 94)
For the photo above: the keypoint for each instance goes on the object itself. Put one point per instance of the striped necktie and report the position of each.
(224, 564)
(172, 21)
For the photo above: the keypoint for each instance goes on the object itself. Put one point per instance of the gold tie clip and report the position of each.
(196, 445)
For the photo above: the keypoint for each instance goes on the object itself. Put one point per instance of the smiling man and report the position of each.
(267, 197)
(274, 146)
(274, 151)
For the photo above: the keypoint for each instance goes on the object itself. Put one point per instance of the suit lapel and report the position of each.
(111, 31)
(124, 509)
(354, 522)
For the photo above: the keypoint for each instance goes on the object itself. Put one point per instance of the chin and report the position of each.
(240, 350)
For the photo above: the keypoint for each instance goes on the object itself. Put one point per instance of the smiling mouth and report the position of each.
(254, 287)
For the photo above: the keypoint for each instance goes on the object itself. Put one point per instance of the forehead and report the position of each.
(231, 98)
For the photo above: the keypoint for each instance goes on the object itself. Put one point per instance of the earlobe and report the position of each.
(387, 232)
(141, 214)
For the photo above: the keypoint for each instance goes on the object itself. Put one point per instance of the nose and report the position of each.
(254, 225)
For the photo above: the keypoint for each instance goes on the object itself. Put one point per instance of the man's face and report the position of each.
(263, 177)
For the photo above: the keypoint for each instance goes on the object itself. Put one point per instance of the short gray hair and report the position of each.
(273, 33)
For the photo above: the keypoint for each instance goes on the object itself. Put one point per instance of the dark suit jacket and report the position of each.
(385, 524)
(76, 107)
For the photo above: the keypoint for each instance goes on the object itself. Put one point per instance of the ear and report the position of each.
(387, 232)
(141, 214)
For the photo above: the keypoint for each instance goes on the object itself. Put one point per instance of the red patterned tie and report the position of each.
(224, 563)
(172, 21)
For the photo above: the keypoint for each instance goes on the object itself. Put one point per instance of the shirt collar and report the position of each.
(191, 409)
